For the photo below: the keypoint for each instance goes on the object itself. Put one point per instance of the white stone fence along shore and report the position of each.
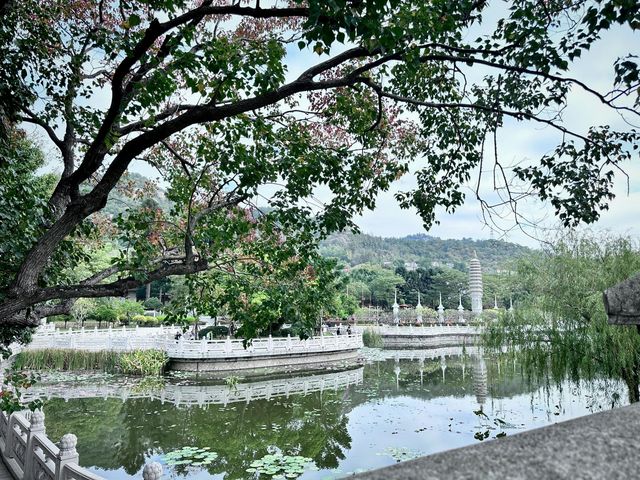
(434, 331)
(29, 454)
(164, 339)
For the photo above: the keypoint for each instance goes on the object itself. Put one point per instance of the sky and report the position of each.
(525, 142)
(517, 142)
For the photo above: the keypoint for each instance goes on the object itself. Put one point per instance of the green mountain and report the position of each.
(426, 251)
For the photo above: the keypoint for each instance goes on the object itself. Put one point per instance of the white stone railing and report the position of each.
(163, 339)
(194, 349)
(428, 331)
(200, 395)
(428, 353)
(29, 454)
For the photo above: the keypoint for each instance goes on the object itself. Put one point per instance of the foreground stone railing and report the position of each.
(29, 454)
(163, 339)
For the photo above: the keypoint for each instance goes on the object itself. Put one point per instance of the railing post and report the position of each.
(270, 344)
(10, 440)
(181, 345)
(67, 453)
(36, 426)
(288, 342)
(322, 342)
(152, 471)
(227, 344)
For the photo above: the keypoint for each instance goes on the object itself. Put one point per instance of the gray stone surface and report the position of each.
(622, 302)
(599, 446)
(264, 361)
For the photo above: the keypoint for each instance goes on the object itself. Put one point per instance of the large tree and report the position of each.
(210, 93)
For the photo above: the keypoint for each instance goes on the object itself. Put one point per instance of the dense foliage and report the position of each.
(560, 319)
(426, 251)
(206, 93)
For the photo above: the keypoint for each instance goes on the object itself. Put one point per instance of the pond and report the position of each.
(327, 424)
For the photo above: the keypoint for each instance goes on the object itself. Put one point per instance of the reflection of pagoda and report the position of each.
(480, 387)
(475, 284)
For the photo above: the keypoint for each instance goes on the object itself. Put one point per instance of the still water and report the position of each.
(394, 406)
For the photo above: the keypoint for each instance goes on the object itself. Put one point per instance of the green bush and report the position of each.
(153, 303)
(215, 331)
(283, 332)
(371, 339)
(147, 320)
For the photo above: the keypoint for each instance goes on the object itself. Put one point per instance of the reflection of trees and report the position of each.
(112, 434)
(98, 423)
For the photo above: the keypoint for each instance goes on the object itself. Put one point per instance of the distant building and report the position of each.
(435, 264)
(410, 266)
(387, 264)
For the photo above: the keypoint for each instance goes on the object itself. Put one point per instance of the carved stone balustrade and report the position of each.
(29, 454)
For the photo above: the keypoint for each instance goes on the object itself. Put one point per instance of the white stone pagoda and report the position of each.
(475, 284)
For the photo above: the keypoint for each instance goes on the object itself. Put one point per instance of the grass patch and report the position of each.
(138, 362)
(371, 339)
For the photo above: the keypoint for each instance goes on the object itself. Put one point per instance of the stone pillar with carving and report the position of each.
(460, 311)
(152, 471)
(396, 308)
(36, 427)
(419, 311)
(67, 453)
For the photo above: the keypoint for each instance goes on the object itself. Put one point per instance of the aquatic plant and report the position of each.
(281, 466)
(401, 454)
(137, 362)
(143, 362)
(190, 456)
(371, 339)
(66, 360)
(232, 382)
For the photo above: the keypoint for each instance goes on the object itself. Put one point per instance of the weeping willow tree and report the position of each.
(560, 327)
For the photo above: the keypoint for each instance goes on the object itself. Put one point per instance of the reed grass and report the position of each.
(371, 339)
(137, 362)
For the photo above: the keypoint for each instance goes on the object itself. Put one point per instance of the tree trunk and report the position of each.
(147, 292)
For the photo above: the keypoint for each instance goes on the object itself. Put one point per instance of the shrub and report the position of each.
(371, 339)
(153, 303)
(283, 332)
(215, 331)
(146, 320)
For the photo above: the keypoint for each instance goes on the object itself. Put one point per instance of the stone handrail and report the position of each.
(163, 339)
(426, 330)
(29, 454)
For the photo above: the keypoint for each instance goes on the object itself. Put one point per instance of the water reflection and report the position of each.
(419, 401)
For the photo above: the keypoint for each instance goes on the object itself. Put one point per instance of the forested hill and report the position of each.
(424, 250)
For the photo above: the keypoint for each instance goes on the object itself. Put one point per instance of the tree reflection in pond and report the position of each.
(401, 404)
